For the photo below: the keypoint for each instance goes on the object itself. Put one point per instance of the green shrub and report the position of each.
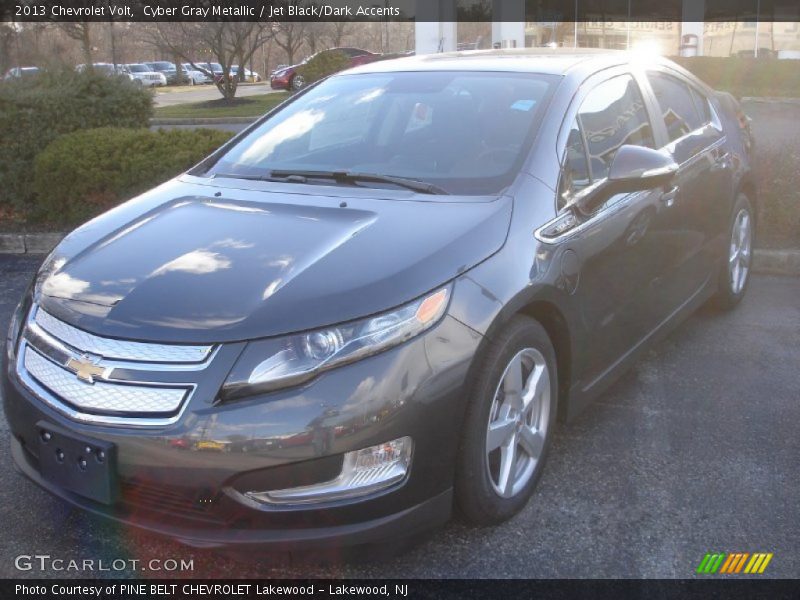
(84, 173)
(323, 64)
(746, 76)
(34, 112)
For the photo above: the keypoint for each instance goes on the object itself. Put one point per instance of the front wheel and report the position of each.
(735, 272)
(298, 83)
(508, 425)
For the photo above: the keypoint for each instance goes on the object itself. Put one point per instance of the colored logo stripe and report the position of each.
(734, 562)
(758, 563)
(710, 563)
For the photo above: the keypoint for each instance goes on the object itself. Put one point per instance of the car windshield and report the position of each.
(138, 69)
(464, 132)
(163, 66)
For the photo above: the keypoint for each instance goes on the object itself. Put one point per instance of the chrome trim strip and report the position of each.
(593, 220)
(120, 349)
(35, 333)
(51, 401)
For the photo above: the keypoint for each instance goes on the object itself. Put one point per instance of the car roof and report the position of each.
(553, 61)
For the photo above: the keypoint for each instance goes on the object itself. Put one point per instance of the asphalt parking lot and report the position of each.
(694, 450)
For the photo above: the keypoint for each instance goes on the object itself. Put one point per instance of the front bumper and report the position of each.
(185, 481)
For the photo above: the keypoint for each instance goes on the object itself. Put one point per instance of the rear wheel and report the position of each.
(735, 272)
(508, 426)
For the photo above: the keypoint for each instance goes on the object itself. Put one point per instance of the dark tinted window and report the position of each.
(613, 115)
(676, 104)
(701, 103)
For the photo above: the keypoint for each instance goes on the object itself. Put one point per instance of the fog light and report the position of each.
(363, 472)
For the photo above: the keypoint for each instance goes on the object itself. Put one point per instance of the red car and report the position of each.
(287, 78)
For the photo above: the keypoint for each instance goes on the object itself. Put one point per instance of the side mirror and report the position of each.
(634, 169)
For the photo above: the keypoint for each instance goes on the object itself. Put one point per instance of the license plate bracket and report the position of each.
(80, 464)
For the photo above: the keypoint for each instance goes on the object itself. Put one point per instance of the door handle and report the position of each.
(669, 196)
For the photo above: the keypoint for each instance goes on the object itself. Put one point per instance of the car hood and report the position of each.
(193, 263)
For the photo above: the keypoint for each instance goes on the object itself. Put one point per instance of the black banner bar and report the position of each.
(483, 589)
(399, 10)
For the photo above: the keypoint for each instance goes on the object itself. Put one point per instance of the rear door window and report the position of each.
(678, 108)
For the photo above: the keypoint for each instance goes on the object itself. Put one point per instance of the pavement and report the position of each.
(694, 450)
(201, 93)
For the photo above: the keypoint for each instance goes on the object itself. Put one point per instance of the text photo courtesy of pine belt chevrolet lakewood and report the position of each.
(369, 309)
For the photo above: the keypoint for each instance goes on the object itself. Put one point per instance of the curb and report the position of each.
(771, 99)
(777, 262)
(28, 243)
(773, 262)
(203, 121)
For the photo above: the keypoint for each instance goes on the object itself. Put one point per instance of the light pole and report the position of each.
(758, 9)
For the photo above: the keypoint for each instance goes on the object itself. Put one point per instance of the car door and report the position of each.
(689, 129)
(619, 247)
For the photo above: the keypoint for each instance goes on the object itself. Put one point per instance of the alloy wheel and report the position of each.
(518, 421)
(740, 251)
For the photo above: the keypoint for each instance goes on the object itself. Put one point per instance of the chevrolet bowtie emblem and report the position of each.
(86, 368)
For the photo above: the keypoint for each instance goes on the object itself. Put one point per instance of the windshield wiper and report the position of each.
(416, 185)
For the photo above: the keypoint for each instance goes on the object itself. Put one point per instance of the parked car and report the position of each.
(287, 77)
(213, 69)
(391, 286)
(145, 76)
(249, 75)
(109, 70)
(21, 73)
(167, 68)
(195, 76)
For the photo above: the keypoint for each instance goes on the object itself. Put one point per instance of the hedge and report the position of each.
(84, 173)
(34, 112)
(746, 76)
(323, 64)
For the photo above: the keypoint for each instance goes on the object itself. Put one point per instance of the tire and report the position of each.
(483, 495)
(735, 270)
(297, 83)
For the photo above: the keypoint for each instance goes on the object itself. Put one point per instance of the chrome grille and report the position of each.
(101, 397)
(126, 382)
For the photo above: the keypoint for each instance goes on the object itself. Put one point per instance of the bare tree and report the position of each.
(290, 37)
(226, 41)
(8, 36)
(82, 32)
(337, 32)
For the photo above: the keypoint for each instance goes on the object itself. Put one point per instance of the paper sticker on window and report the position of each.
(524, 105)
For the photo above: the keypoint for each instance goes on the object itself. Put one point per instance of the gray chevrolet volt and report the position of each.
(370, 308)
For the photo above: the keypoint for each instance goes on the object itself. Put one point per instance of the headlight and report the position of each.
(282, 362)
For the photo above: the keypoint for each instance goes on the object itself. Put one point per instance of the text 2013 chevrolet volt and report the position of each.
(371, 307)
